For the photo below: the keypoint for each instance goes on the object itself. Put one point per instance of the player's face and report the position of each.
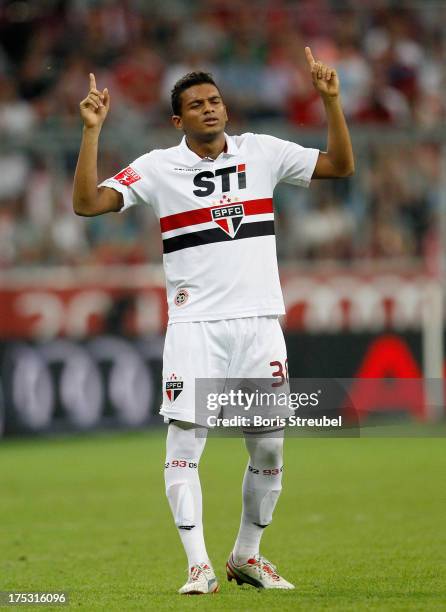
(203, 114)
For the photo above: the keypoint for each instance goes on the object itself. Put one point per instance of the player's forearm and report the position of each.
(85, 192)
(339, 146)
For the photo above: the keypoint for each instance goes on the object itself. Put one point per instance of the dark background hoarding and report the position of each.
(351, 355)
(115, 382)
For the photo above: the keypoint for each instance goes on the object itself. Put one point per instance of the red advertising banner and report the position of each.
(56, 302)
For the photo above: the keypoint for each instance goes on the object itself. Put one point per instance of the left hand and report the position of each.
(325, 79)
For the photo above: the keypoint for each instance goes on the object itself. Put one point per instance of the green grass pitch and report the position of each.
(361, 524)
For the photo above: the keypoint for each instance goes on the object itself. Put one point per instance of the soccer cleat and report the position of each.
(202, 580)
(258, 572)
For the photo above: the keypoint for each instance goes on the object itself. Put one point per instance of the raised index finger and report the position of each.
(310, 58)
(92, 81)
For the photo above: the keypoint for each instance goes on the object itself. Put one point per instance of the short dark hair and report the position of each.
(188, 80)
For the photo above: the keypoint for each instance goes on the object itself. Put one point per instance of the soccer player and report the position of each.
(213, 196)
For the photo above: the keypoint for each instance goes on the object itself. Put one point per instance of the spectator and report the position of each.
(390, 62)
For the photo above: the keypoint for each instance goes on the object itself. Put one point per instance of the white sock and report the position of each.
(248, 541)
(262, 484)
(183, 489)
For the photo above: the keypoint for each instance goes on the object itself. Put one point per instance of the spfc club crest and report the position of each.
(228, 218)
(174, 386)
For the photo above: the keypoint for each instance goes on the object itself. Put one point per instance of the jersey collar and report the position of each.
(192, 159)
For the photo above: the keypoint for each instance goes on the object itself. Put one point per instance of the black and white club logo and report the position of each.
(228, 218)
(174, 386)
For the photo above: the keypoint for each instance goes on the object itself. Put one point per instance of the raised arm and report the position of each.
(88, 200)
(338, 160)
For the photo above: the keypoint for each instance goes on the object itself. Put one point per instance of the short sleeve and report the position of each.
(290, 162)
(135, 182)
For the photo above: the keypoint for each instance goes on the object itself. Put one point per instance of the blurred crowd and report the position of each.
(390, 58)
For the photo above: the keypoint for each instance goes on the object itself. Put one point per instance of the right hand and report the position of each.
(94, 107)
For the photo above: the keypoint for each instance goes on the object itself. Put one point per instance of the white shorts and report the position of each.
(251, 347)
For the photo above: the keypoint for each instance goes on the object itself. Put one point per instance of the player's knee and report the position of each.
(181, 501)
(267, 451)
(183, 441)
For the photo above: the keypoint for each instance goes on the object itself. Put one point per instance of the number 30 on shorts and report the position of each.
(281, 371)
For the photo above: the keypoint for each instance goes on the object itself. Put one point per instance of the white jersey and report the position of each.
(217, 222)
